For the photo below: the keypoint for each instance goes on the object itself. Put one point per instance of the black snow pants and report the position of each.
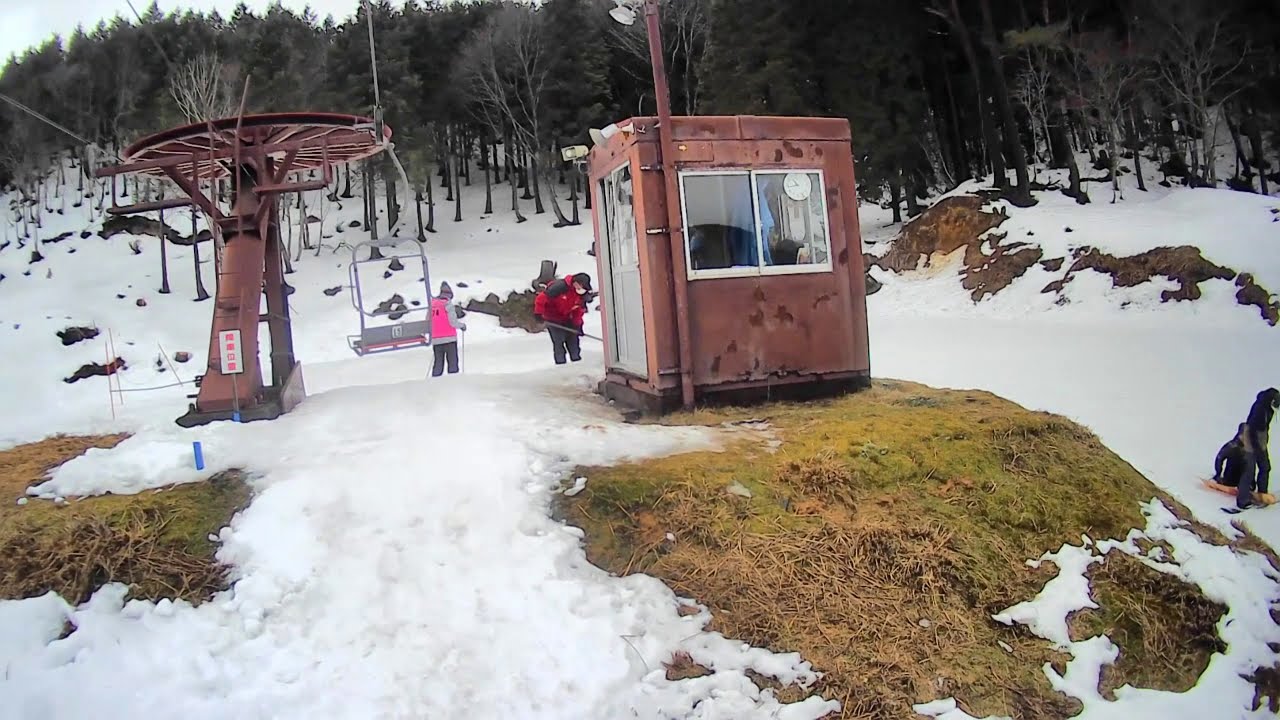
(564, 342)
(444, 352)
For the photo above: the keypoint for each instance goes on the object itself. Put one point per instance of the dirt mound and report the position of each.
(514, 312)
(953, 223)
(989, 265)
(139, 225)
(77, 333)
(880, 536)
(89, 370)
(1183, 264)
(1253, 294)
(959, 222)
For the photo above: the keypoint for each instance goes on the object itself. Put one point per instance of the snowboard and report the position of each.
(1264, 499)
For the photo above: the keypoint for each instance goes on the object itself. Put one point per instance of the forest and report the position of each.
(936, 91)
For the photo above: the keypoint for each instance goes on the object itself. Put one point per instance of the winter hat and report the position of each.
(445, 290)
(584, 280)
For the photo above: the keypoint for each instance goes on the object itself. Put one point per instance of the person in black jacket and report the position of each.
(1259, 422)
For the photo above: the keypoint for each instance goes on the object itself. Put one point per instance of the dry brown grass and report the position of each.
(154, 542)
(1167, 627)
(878, 540)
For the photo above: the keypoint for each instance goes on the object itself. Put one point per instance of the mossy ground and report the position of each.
(881, 534)
(156, 542)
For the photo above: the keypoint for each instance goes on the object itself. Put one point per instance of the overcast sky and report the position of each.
(24, 23)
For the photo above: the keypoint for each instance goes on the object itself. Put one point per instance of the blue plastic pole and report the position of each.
(199, 453)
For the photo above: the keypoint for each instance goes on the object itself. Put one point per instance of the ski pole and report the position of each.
(572, 330)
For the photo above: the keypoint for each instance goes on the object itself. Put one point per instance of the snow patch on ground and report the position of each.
(1243, 581)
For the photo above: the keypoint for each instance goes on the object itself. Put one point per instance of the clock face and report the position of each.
(798, 186)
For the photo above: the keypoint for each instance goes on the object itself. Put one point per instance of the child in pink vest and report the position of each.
(444, 331)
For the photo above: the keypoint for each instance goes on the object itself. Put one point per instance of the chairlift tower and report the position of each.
(257, 154)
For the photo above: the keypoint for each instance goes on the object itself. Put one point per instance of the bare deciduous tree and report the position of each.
(202, 89)
(1198, 52)
(507, 66)
(1104, 75)
(685, 29)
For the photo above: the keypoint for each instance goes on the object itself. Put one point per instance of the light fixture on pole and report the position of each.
(624, 13)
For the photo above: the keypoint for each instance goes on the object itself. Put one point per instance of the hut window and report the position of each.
(740, 222)
(793, 218)
(720, 221)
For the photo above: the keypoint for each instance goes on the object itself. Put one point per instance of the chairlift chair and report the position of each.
(405, 332)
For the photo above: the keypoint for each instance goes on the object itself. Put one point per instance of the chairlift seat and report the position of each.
(412, 327)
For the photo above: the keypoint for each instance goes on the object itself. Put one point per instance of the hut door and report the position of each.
(625, 306)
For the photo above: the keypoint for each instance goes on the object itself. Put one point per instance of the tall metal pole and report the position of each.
(675, 234)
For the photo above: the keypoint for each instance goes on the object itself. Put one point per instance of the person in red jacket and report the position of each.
(562, 305)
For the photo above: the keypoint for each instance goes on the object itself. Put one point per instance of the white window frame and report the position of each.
(760, 269)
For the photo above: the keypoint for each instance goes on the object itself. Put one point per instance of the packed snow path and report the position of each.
(398, 561)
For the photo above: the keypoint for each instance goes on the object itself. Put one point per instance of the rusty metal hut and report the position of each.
(761, 288)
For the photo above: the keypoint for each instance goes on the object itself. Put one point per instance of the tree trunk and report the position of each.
(201, 294)
(895, 196)
(524, 174)
(417, 204)
(575, 218)
(346, 188)
(1253, 129)
(497, 169)
(586, 192)
(488, 177)
(913, 203)
(1135, 145)
(1012, 139)
(164, 256)
(364, 195)
(393, 200)
(957, 137)
(457, 196)
(1242, 160)
(994, 157)
(538, 209)
(431, 207)
(448, 175)
(515, 203)
(464, 150)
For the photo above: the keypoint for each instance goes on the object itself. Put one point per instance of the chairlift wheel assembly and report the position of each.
(257, 154)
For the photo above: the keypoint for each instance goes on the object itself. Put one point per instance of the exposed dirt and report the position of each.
(514, 312)
(1183, 264)
(988, 266)
(97, 370)
(953, 223)
(139, 225)
(77, 333)
(957, 223)
(1251, 293)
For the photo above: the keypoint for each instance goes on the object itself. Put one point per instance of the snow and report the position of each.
(398, 559)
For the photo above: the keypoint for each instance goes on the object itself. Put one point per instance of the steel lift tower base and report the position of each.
(256, 153)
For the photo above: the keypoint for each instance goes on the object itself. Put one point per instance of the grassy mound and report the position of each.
(878, 533)
(155, 542)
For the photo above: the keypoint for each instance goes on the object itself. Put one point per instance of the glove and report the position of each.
(462, 327)
(538, 317)
(580, 332)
